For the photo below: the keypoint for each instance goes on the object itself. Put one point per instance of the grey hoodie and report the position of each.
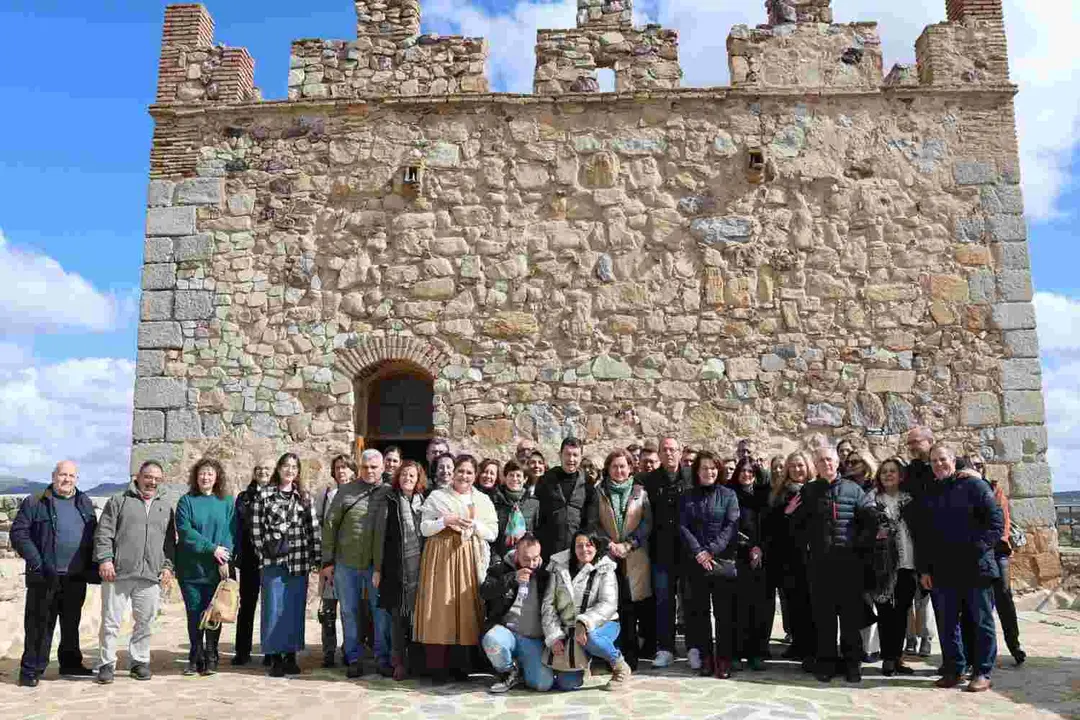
(140, 542)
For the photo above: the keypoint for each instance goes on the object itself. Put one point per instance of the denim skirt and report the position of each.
(284, 605)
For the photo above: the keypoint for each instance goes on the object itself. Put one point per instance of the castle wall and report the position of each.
(827, 257)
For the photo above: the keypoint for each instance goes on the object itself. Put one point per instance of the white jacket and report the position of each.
(563, 599)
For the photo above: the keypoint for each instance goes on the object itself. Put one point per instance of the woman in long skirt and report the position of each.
(286, 534)
(459, 523)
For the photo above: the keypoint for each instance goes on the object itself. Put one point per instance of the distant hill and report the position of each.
(1067, 498)
(107, 489)
(11, 485)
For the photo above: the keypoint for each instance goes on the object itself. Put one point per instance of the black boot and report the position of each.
(290, 666)
(210, 652)
(277, 665)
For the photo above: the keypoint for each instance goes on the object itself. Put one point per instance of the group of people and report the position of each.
(442, 567)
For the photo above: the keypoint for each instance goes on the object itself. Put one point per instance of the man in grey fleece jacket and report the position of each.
(134, 546)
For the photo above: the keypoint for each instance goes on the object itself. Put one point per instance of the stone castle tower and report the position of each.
(395, 252)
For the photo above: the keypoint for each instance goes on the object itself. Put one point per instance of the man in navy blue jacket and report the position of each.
(955, 557)
(54, 533)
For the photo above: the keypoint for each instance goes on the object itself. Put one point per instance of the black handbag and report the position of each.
(722, 568)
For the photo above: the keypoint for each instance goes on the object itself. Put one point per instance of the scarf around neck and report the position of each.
(515, 523)
(620, 497)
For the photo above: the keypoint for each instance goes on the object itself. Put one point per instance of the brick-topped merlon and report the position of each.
(782, 12)
(387, 18)
(192, 69)
(959, 10)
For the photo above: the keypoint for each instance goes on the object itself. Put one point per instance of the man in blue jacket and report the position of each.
(955, 556)
(54, 533)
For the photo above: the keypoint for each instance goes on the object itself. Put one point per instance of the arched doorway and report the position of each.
(395, 405)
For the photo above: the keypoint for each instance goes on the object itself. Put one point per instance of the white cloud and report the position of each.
(78, 409)
(1042, 43)
(38, 295)
(1059, 336)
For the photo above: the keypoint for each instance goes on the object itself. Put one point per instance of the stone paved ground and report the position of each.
(1047, 686)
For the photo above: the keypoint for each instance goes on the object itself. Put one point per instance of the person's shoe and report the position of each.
(400, 672)
(980, 683)
(756, 664)
(808, 665)
(507, 682)
(853, 674)
(241, 660)
(888, 668)
(786, 640)
(76, 671)
(736, 665)
(723, 669)
(912, 646)
(355, 670)
(385, 670)
(924, 648)
(26, 680)
(708, 667)
(106, 674)
(290, 666)
(141, 671)
(620, 674)
(210, 667)
(871, 658)
(947, 681)
(663, 659)
(694, 658)
(792, 653)
(825, 671)
(903, 668)
(277, 666)
(268, 660)
(1019, 656)
(328, 661)
(190, 669)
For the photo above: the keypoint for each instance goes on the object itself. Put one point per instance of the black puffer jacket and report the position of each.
(785, 548)
(245, 555)
(835, 515)
(709, 520)
(33, 537)
(665, 491)
(500, 588)
(753, 507)
(562, 500)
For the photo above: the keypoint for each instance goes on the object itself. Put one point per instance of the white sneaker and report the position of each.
(507, 682)
(694, 656)
(663, 659)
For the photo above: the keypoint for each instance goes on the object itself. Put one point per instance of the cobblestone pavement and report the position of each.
(1047, 686)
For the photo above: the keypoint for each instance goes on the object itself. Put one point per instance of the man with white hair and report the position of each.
(352, 560)
(54, 533)
(837, 519)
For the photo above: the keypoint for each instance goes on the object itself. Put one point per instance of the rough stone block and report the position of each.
(158, 250)
(1006, 199)
(156, 305)
(159, 276)
(160, 393)
(168, 454)
(148, 425)
(1033, 512)
(1030, 480)
(980, 409)
(1014, 316)
(983, 287)
(824, 414)
(160, 193)
(194, 305)
(897, 381)
(1011, 255)
(1024, 406)
(213, 426)
(1022, 343)
(1014, 285)
(160, 335)
(970, 229)
(183, 425)
(974, 173)
(1024, 443)
(170, 221)
(722, 230)
(950, 288)
(1021, 374)
(194, 248)
(741, 369)
(1007, 228)
(435, 289)
(200, 191)
(150, 362)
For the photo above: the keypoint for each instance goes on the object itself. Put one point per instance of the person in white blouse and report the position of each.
(460, 523)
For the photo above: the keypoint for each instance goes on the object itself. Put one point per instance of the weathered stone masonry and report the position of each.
(817, 248)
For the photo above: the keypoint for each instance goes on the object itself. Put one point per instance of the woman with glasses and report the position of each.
(247, 562)
(861, 468)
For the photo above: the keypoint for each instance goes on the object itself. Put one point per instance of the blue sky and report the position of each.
(75, 140)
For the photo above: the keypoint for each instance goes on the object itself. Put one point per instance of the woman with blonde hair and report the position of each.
(286, 534)
(459, 523)
(787, 550)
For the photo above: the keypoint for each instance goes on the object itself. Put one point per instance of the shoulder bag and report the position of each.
(574, 657)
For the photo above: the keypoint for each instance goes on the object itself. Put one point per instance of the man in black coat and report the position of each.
(837, 521)
(918, 478)
(564, 494)
(962, 524)
(665, 486)
(54, 533)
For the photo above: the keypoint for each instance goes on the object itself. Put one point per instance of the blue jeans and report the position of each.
(350, 586)
(602, 644)
(978, 603)
(504, 647)
(664, 582)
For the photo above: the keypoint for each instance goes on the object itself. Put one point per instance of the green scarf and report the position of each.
(620, 497)
(515, 523)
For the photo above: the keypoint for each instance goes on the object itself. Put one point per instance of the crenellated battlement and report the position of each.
(192, 69)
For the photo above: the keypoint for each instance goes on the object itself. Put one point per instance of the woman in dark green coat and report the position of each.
(205, 528)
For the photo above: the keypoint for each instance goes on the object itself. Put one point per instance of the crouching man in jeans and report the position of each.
(134, 545)
(514, 641)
